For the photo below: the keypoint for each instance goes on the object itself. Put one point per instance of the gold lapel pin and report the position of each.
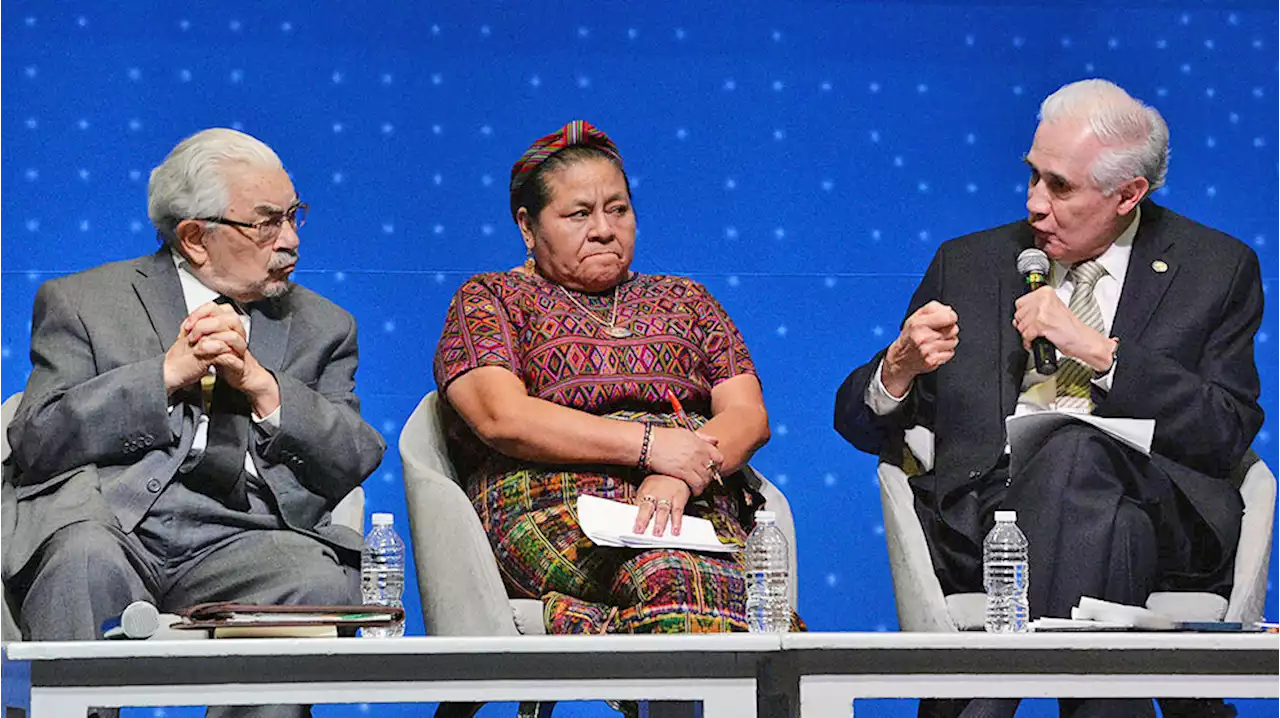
(1160, 266)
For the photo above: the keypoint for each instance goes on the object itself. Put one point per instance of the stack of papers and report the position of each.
(1093, 614)
(609, 523)
(228, 619)
(1093, 609)
(1047, 624)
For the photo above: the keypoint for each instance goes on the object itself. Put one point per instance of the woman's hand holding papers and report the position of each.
(661, 500)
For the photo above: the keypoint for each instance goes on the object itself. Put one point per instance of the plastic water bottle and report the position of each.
(1006, 575)
(382, 572)
(768, 607)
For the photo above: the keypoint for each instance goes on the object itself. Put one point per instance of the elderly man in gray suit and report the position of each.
(190, 420)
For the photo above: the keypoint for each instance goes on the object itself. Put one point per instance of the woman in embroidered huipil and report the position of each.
(556, 378)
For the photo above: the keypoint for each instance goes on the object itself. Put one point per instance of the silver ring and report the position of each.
(664, 502)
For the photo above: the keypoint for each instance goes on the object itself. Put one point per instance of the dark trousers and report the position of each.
(1101, 520)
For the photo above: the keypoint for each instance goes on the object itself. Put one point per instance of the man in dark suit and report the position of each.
(189, 422)
(1153, 317)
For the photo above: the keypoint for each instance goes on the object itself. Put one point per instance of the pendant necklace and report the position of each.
(610, 327)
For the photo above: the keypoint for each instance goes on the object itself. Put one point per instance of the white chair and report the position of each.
(8, 624)
(922, 606)
(458, 580)
(349, 512)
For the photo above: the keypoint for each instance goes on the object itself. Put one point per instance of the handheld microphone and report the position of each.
(139, 620)
(1033, 265)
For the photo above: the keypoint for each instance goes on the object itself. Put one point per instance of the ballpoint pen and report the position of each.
(683, 418)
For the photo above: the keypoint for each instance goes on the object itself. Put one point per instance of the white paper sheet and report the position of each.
(1070, 624)
(1027, 431)
(1095, 609)
(609, 523)
(1093, 614)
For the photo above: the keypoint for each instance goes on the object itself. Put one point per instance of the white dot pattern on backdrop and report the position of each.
(802, 168)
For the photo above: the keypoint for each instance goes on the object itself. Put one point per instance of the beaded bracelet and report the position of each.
(643, 463)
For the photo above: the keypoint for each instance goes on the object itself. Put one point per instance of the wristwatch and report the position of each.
(1115, 353)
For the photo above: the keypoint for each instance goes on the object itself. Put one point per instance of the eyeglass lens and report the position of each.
(269, 230)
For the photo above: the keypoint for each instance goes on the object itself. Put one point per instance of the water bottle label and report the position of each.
(1020, 576)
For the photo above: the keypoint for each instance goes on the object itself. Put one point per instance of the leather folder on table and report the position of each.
(227, 619)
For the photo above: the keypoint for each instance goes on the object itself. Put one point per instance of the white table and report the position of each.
(834, 669)
(736, 676)
(69, 677)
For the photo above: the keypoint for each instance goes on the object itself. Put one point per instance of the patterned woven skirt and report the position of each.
(530, 515)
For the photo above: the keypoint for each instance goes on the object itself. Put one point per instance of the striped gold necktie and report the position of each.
(220, 473)
(1074, 377)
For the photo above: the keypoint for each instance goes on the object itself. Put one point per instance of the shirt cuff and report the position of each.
(1103, 382)
(267, 424)
(879, 398)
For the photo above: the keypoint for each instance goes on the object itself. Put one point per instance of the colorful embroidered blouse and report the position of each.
(681, 338)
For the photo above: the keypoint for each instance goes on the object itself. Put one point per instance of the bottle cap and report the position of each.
(1007, 516)
(383, 519)
(766, 517)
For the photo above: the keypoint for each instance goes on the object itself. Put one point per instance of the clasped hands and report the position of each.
(214, 336)
(682, 464)
(930, 335)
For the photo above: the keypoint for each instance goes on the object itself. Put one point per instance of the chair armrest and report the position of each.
(1253, 554)
(921, 604)
(920, 441)
(350, 511)
(776, 502)
(7, 410)
(458, 581)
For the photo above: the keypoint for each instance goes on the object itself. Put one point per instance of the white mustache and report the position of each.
(282, 259)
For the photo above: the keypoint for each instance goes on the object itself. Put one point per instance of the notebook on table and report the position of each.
(247, 620)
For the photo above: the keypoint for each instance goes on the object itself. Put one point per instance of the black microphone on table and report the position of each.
(1033, 265)
(139, 620)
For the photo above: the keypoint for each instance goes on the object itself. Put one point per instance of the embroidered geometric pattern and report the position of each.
(530, 517)
(578, 132)
(681, 340)
(1074, 377)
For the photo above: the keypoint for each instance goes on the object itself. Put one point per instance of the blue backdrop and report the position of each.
(803, 159)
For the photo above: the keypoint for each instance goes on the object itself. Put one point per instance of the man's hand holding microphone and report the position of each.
(1048, 326)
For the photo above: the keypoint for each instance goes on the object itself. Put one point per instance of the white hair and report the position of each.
(1135, 135)
(190, 183)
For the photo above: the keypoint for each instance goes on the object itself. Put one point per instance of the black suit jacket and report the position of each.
(1186, 359)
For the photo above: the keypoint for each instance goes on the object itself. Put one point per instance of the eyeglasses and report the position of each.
(268, 229)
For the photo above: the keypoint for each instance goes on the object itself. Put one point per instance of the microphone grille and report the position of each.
(140, 620)
(1033, 260)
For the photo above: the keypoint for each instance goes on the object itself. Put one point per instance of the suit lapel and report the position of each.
(160, 292)
(269, 332)
(1013, 356)
(1144, 285)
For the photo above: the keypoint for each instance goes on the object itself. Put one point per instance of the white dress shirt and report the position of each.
(1039, 393)
(195, 293)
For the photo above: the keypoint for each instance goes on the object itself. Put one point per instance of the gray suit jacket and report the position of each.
(93, 438)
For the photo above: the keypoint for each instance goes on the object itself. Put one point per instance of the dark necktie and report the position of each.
(220, 472)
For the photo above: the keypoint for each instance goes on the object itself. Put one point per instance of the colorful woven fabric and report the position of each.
(578, 132)
(531, 519)
(683, 340)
